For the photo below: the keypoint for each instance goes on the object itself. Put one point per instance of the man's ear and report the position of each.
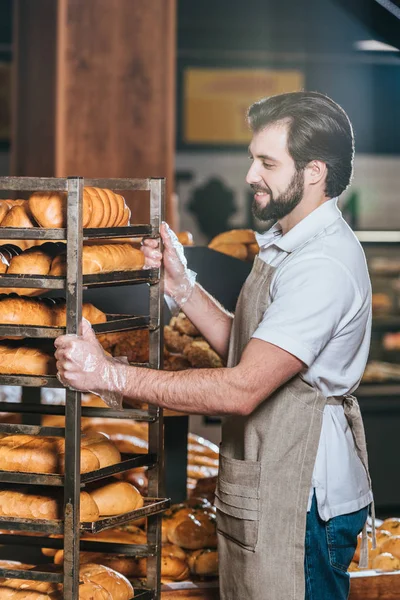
(315, 172)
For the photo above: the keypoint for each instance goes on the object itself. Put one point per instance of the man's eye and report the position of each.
(267, 165)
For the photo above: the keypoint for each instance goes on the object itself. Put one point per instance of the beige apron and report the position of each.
(266, 465)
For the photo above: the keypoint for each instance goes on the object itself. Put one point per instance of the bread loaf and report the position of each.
(116, 584)
(49, 505)
(103, 259)
(21, 360)
(191, 529)
(89, 312)
(37, 454)
(18, 310)
(116, 497)
(101, 208)
(386, 562)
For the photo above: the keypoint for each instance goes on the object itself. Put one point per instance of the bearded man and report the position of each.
(293, 489)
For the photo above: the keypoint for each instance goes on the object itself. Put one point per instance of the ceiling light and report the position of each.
(374, 46)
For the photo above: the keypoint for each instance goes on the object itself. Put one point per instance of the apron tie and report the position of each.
(353, 415)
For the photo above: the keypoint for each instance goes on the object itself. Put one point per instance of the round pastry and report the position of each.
(392, 545)
(392, 525)
(386, 562)
(116, 584)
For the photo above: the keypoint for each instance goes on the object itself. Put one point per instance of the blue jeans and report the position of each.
(329, 549)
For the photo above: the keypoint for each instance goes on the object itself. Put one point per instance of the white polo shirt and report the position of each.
(320, 311)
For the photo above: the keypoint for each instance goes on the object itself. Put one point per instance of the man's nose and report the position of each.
(253, 176)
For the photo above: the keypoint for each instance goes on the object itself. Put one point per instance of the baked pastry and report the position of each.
(175, 341)
(386, 562)
(392, 525)
(392, 545)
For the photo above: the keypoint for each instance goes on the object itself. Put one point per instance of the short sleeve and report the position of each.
(311, 301)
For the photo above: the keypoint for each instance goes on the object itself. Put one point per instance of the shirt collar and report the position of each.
(309, 227)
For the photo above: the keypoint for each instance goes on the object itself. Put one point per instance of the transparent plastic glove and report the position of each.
(83, 365)
(179, 280)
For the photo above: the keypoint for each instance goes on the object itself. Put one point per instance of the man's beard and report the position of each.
(279, 207)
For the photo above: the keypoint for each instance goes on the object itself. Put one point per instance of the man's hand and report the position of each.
(178, 279)
(83, 365)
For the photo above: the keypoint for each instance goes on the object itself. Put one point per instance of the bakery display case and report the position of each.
(58, 508)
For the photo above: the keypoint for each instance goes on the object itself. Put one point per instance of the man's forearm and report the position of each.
(210, 318)
(202, 391)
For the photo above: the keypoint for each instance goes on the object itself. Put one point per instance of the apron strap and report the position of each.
(353, 416)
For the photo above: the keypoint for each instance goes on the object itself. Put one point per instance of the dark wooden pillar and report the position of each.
(95, 90)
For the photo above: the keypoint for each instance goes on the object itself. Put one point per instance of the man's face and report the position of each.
(277, 185)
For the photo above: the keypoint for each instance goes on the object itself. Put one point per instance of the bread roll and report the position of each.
(4, 208)
(386, 562)
(28, 505)
(234, 236)
(392, 545)
(34, 261)
(103, 259)
(204, 563)
(22, 360)
(236, 250)
(392, 525)
(182, 324)
(117, 585)
(116, 498)
(202, 356)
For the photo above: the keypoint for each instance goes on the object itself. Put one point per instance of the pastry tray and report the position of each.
(137, 414)
(128, 462)
(151, 506)
(114, 324)
(51, 282)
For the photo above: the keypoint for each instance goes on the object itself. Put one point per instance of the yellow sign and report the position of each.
(216, 101)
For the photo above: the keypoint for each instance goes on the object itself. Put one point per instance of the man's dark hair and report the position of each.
(318, 129)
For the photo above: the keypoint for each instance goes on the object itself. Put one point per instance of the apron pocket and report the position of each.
(237, 500)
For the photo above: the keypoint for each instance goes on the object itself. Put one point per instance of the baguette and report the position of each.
(49, 505)
(103, 259)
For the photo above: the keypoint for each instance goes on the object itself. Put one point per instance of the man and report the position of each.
(293, 486)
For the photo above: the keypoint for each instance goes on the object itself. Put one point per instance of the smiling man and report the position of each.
(293, 489)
